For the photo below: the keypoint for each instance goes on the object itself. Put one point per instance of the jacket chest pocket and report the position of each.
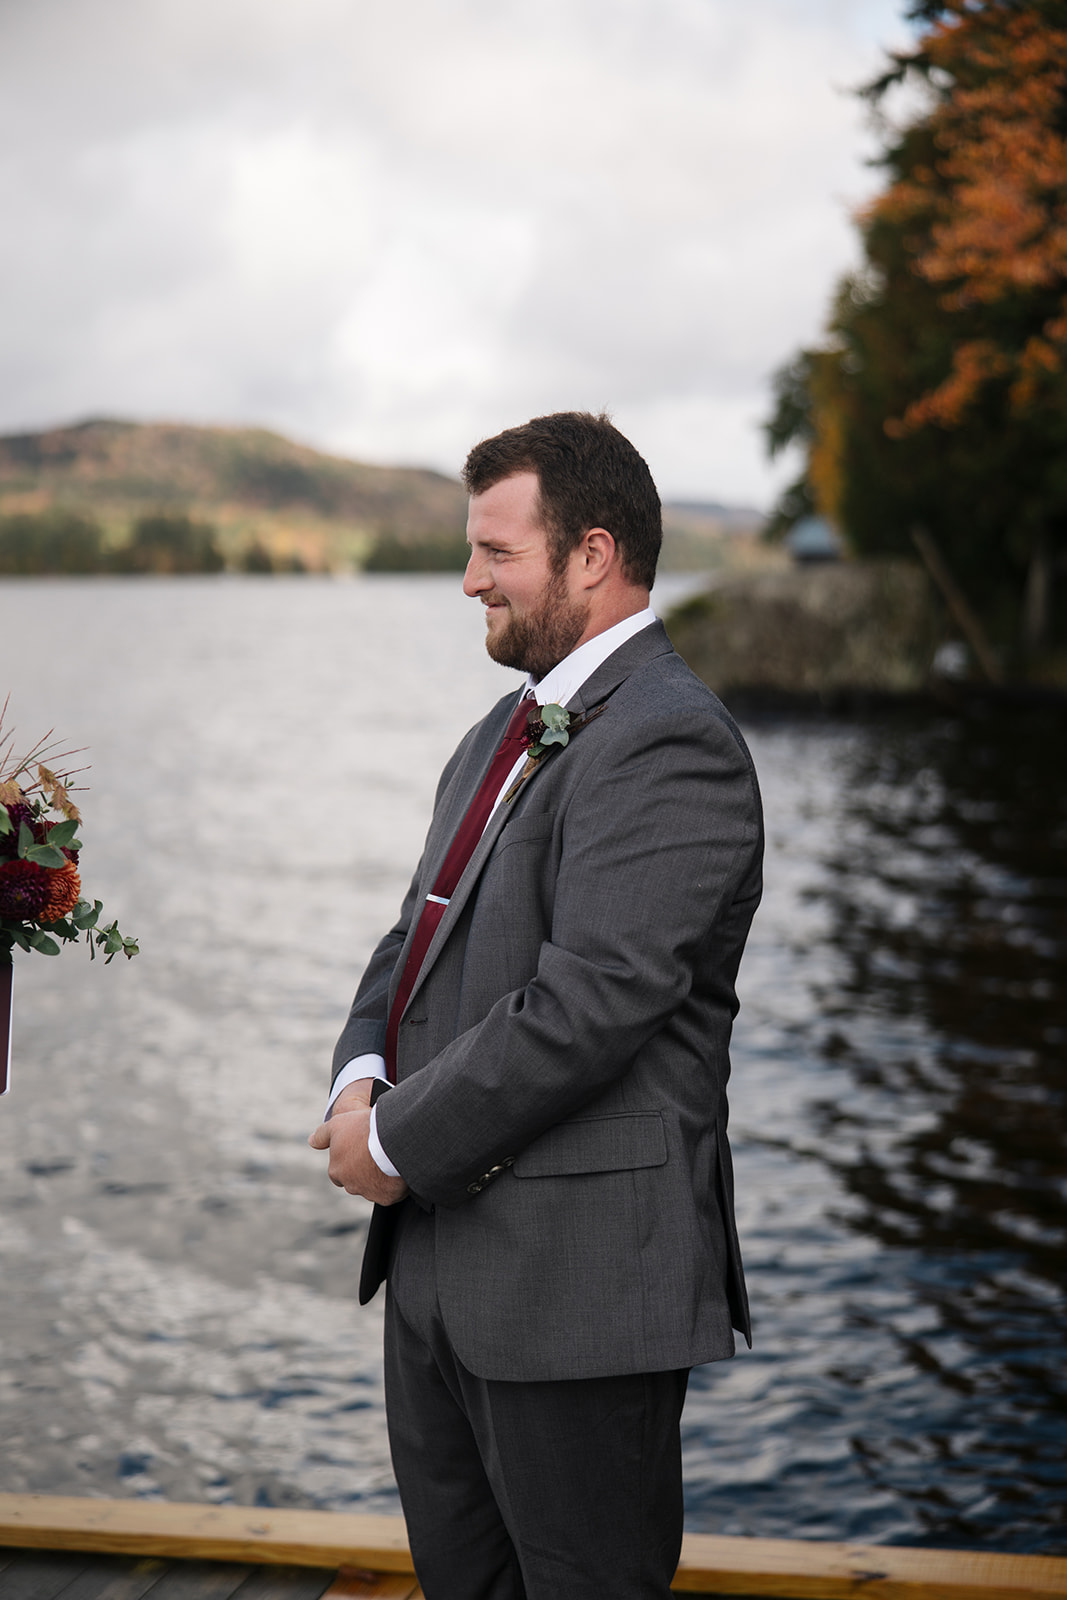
(525, 830)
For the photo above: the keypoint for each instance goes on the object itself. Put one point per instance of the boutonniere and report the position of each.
(547, 727)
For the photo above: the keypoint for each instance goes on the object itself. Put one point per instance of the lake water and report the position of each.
(178, 1276)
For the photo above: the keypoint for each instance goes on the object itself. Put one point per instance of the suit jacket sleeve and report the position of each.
(648, 886)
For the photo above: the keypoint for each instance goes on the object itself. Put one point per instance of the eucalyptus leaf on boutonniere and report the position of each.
(548, 727)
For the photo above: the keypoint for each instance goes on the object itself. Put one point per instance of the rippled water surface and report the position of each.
(178, 1276)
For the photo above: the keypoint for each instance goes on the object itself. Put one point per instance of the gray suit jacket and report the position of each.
(563, 1058)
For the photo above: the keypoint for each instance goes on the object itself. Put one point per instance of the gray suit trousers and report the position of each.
(566, 1490)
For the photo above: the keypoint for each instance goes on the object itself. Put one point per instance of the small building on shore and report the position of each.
(813, 539)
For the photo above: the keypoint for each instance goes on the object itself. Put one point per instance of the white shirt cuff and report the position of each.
(352, 1071)
(369, 1066)
(374, 1145)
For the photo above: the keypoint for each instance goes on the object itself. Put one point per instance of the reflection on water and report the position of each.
(959, 926)
(905, 996)
(178, 1276)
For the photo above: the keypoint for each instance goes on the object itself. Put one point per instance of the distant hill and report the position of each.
(702, 535)
(742, 517)
(253, 485)
(274, 503)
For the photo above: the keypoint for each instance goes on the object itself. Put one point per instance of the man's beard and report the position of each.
(536, 641)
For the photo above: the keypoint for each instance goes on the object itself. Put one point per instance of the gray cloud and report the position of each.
(389, 229)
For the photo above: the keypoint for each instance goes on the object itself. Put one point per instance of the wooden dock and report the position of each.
(57, 1548)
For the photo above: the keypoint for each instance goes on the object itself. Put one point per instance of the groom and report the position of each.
(554, 1008)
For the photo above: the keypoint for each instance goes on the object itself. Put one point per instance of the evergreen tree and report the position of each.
(54, 541)
(166, 543)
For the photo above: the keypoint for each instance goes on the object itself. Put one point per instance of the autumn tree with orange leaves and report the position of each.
(940, 396)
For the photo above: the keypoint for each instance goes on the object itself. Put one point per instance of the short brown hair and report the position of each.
(590, 476)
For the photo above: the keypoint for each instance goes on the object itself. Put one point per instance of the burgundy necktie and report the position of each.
(459, 853)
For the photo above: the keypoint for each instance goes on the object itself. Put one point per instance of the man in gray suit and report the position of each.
(555, 1005)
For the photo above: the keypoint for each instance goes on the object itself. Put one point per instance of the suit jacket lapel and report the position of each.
(464, 786)
(643, 647)
(451, 810)
(461, 894)
(636, 652)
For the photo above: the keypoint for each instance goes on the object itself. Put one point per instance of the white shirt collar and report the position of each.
(567, 677)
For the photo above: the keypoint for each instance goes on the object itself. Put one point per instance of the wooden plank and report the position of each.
(199, 1580)
(39, 1576)
(284, 1583)
(780, 1569)
(372, 1586)
(217, 1533)
(113, 1578)
(801, 1569)
(132, 1578)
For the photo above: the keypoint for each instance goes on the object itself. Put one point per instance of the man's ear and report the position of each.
(598, 554)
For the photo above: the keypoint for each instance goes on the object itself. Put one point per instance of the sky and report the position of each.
(389, 229)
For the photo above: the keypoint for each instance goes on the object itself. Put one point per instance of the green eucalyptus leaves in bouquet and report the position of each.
(41, 904)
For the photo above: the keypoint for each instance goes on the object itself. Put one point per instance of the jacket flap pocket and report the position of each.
(595, 1144)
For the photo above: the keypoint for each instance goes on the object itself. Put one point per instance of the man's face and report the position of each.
(534, 616)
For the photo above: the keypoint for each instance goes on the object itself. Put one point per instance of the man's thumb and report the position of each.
(320, 1139)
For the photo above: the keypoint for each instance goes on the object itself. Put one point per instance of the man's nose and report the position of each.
(476, 577)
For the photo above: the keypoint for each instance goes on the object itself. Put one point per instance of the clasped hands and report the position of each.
(344, 1135)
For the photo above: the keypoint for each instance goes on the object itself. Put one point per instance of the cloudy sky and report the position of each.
(390, 228)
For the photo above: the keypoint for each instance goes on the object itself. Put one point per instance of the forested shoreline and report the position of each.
(933, 416)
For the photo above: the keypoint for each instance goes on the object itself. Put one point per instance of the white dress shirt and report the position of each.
(555, 688)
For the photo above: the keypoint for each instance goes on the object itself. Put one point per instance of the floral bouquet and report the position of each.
(41, 906)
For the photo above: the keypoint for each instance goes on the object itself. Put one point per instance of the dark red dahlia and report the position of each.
(9, 842)
(24, 888)
(534, 728)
